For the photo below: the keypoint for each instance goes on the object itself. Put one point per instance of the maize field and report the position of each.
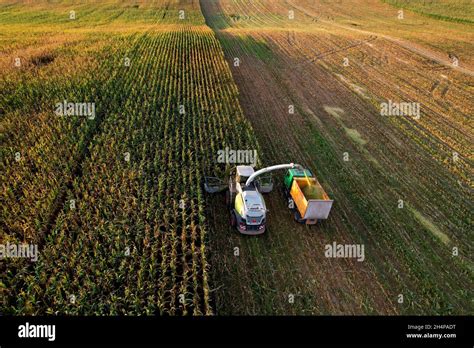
(114, 201)
(112, 114)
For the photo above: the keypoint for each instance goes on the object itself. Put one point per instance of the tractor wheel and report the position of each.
(298, 217)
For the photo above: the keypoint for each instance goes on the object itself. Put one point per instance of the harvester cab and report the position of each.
(246, 203)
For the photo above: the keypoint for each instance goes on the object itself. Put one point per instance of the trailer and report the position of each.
(306, 197)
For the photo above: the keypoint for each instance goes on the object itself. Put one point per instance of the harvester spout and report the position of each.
(269, 169)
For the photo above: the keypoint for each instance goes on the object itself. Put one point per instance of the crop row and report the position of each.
(129, 236)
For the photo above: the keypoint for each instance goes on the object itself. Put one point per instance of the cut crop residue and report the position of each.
(355, 136)
(351, 133)
(430, 226)
(334, 111)
(356, 88)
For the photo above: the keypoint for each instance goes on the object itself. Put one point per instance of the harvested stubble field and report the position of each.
(336, 77)
(115, 202)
